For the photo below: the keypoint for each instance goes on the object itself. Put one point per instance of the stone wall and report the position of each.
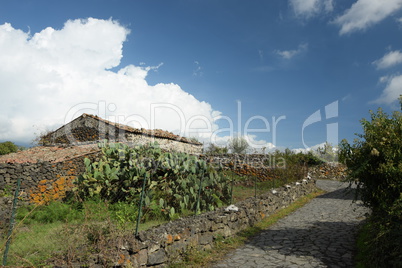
(263, 166)
(329, 171)
(165, 144)
(162, 245)
(42, 181)
(90, 128)
(240, 160)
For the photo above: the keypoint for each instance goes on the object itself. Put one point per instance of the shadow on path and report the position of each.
(329, 243)
(343, 193)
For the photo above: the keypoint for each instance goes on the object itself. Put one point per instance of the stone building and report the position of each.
(89, 128)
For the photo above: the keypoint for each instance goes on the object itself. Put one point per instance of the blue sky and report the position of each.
(275, 59)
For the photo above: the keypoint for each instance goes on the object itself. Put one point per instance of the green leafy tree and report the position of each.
(328, 153)
(213, 149)
(8, 147)
(238, 145)
(374, 162)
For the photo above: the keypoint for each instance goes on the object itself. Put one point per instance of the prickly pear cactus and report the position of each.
(176, 182)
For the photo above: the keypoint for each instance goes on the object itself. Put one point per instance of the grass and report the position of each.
(379, 243)
(242, 191)
(57, 230)
(363, 237)
(249, 186)
(195, 258)
(46, 237)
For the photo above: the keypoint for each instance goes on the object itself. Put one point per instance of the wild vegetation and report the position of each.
(374, 162)
(213, 149)
(238, 145)
(8, 147)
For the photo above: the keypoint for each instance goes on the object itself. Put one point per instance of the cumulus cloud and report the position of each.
(52, 77)
(289, 54)
(388, 60)
(365, 13)
(392, 90)
(310, 8)
(256, 145)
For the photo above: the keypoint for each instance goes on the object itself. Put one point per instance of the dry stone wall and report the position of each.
(165, 244)
(165, 144)
(42, 181)
(329, 171)
(262, 166)
(240, 160)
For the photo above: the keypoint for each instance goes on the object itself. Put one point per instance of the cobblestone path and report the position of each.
(320, 234)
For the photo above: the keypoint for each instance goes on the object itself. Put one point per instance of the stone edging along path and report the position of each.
(320, 234)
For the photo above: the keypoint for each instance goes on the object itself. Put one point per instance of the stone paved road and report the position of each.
(320, 234)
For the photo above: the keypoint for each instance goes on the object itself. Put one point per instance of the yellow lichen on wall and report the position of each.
(48, 191)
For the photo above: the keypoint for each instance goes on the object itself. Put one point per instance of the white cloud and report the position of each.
(258, 145)
(316, 148)
(48, 79)
(310, 8)
(365, 13)
(255, 145)
(288, 54)
(309, 149)
(388, 60)
(392, 89)
(197, 71)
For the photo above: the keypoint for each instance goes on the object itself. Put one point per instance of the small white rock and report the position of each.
(288, 186)
(298, 183)
(231, 208)
(274, 191)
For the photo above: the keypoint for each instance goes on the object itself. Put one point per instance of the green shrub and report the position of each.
(54, 211)
(8, 147)
(374, 162)
(238, 145)
(289, 158)
(123, 212)
(213, 149)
